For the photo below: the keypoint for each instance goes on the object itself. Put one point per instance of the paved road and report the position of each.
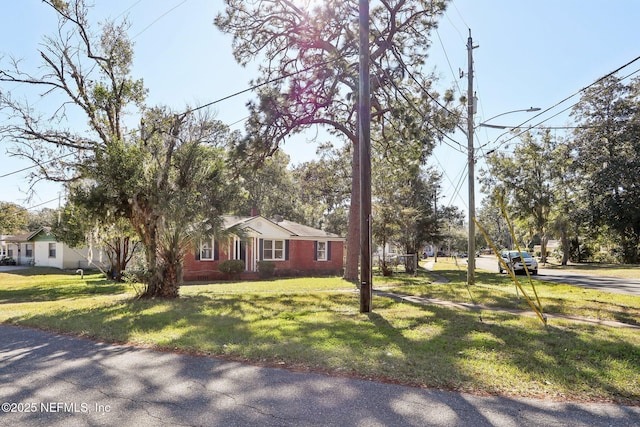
(609, 284)
(67, 381)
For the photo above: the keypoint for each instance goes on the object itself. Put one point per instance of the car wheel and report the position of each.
(534, 272)
(500, 269)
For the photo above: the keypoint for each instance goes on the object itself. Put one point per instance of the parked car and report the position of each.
(514, 260)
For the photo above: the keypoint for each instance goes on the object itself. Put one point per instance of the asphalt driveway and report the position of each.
(54, 380)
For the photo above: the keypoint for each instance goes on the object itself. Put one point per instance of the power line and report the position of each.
(37, 165)
(42, 204)
(563, 101)
(158, 18)
(460, 15)
(259, 85)
(444, 50)
(454, 25)
(128, 9)
(417, 110)
(425, 91)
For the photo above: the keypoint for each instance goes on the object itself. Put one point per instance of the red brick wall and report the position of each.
(300, 263)
(301, 259)
(195, 269)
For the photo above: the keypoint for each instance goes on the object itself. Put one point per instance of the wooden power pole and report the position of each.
(471, 253)
(364, 119)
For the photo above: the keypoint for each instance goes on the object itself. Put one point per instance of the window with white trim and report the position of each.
(207, 252)
(273, 250)
(52, 250)
(321, 251)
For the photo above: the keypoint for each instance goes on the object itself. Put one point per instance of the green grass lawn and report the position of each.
(499, 291)
(314, 324)
(612, 270)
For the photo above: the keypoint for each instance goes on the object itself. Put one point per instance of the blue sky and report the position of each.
(530, 54)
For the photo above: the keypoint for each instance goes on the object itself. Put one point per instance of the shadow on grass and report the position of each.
(414, 344)
(48, 284)
(594, 309)
(44, 293)
(41, 271)
(498, 291)
(491, 289)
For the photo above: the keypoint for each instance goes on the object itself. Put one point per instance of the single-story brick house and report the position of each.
(40, 248)
(295, 249)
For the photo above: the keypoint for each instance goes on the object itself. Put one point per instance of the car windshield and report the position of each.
(514, 254)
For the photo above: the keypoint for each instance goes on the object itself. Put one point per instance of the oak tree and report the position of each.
(308, 75)
(606, 147)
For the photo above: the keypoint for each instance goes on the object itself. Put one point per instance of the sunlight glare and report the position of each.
(307, 5)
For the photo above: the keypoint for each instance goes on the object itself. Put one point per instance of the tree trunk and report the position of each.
(154, 278)
(120, 249)
(353, 236)
(566, 247)
(172, 280)
(543, 247)
(146, 225)
(630, 241)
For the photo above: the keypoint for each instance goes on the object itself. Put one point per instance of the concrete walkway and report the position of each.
(55, 380)
(7, 268)
(480, 308)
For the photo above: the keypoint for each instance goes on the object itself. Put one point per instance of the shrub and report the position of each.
(386, 270)
(266, 269)
(232, 267)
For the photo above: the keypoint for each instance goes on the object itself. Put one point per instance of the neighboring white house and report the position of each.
(40, 248)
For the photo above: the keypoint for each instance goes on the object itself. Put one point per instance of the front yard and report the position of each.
(314, 324)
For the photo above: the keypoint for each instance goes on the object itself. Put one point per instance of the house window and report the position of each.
(28, 250)
(52, 250)
(321, 251)
(273, 250)
(207, 252)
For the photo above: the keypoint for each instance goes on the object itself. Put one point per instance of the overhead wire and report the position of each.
(259, 85)
(413, 106)
(43, 203)
(138, 34)
(252, 88)
(559, 103)
(158, 18)
(35, 166)
(446, 55)
(128, 9)
(456, 187)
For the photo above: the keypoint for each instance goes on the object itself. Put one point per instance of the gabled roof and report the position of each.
(292, 228)
(24, 237)
(234, 220)
(301, 230)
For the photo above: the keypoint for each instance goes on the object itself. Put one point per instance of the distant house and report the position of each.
(295, 249)
(552, 245)
(40, 248)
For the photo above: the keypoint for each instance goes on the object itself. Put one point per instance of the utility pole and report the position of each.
(364, 119)
(435, 216)
(471, 255)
